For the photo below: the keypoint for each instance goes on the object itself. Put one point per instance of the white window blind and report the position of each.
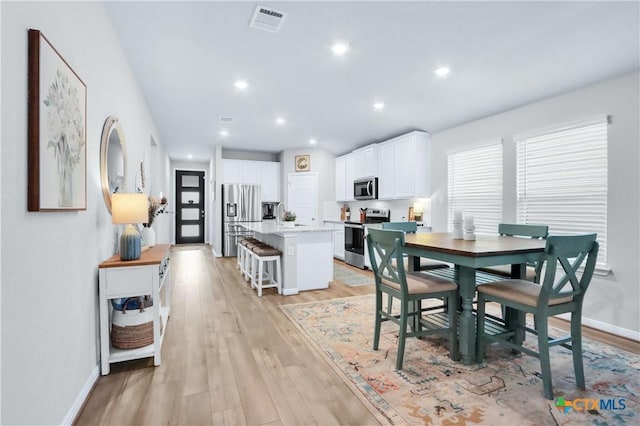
(562, 181)
(475, 186)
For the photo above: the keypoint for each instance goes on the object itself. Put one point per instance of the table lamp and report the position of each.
(128, 209)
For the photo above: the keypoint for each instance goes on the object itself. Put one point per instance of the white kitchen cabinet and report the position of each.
(403, 167)
(270, 180)
(341, 194)
(249, 172)
(365, 162)
(231, 171)
(386, 171)
(148, 275)
(338, 238)
(349, 176)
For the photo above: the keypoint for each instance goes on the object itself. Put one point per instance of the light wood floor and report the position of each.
(230, 357)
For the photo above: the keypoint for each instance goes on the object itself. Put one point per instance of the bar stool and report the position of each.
(265, 258)
(242, 251)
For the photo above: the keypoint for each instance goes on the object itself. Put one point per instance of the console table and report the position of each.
(147, 275)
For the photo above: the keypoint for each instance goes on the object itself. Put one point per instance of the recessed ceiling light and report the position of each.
(280, 121)
(442, 71)
(224, 133)
(189, 156)
(378, 105)
(241, 84)
(340, 48)
(312, 141)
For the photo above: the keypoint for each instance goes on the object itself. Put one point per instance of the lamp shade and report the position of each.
(129, 208)
(418, 207)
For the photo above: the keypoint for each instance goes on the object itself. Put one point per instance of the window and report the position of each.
(475, 186)
(562, 180)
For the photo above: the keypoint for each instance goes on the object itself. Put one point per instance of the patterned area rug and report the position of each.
(350, 277)
(432, 389)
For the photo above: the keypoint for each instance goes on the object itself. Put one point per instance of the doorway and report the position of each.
(302, 197)
(190, 207)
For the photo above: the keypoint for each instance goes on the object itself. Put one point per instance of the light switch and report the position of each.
(290, 251)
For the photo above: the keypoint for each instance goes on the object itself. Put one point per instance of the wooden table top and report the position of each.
(151, 256)
(484, 245)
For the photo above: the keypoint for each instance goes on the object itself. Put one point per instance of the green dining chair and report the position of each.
(565, 255)
(386, 255)
(518, 230)
(412, 228)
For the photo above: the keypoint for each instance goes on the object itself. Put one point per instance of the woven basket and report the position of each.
(132, 329)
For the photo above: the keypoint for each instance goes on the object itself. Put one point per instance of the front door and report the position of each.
(190, 207)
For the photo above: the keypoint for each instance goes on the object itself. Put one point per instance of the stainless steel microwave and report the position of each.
(365, 188)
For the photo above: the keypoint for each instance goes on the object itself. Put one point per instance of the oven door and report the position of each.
(354, 245)
(354, 238)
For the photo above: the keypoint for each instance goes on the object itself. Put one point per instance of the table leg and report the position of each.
(467, 324)
(514, 319)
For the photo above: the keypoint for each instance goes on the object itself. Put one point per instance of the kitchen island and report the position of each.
(307, 253)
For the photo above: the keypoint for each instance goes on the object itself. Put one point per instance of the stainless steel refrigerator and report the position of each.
(240, 204)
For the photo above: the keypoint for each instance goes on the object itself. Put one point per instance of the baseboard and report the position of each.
(607, 328)
(82, 397)
(214, 253)
(290, 291)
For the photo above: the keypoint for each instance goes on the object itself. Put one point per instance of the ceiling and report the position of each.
(186, 57)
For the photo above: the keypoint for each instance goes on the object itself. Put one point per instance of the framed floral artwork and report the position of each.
(303, 163)
(56, 130)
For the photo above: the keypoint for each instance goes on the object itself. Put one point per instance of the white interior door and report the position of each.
(302, 197)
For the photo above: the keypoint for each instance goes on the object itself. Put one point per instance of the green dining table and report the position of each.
(468, 256)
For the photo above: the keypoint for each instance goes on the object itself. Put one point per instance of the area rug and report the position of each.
(432, 389)
(350, 277)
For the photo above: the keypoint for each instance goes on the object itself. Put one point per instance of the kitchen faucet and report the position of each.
(278, 212)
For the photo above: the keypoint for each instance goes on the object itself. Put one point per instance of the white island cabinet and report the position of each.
(147, 275)
(307, 253)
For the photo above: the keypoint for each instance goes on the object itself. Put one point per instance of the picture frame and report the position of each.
(302, 163)
(57, 129)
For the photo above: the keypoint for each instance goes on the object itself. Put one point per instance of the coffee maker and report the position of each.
(269, 211)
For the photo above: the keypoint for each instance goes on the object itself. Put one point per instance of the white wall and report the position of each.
(50, 352)
(322, 163)
(613, 302)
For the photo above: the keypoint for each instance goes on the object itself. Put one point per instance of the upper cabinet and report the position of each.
(341, 187)
(263, 173)
(366, 160)
(270, 180)
(401, 165)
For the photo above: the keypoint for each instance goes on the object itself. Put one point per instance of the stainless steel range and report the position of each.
(354, 236)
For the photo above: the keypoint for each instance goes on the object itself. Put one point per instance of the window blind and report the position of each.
(562, 181)
(475, 186)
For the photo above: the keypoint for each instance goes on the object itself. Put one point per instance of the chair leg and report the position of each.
(376, 332)
(260, 277)
(402, 334)
(480, 344)
(545, 364)
(454, 353)
(576, 347)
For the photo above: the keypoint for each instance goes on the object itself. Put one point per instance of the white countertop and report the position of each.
(272, 228)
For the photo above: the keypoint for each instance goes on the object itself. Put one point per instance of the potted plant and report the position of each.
(289, 218)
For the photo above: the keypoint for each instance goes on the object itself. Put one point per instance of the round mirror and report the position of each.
(113, 160)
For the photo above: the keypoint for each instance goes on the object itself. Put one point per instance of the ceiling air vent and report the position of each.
(226, 119)
(268, 19)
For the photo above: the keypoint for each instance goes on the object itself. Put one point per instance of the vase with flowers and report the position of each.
(157, 206)
(289, 219)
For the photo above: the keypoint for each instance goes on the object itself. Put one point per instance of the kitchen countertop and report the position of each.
(273, 228)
